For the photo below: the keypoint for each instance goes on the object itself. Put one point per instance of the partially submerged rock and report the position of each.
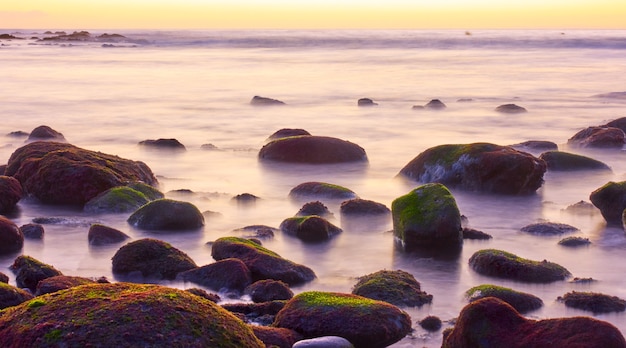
(366, 102)
(60, 282)
(151, 258)
(574, 241)
(549, 228)
(316, 189)
(264, 101)
(364, 322)
(312, 150)
(224, 275)
(598, 137)
(102, 235)
(564, 161)
(268, 290)
(10, 193)
(358, 207)
(162, 143)
(314, 208)
(521, 301)
(324, 342)
(501, 264)
(511, 109)
(398, 287)
(536, 146)
(11, 296)
(310, 228)
(30, 271)
(11, 237)
(470, 233)
(593, 302)
(287, 132)
(435, 104)
(45, 133)
(32, 231)
(167, 215)
(120, 199)
(430, 323)
(611, 200)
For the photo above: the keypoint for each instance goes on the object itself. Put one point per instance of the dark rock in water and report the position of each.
(311, 228)
(321, 190)
(259, 231)
(102, 235)
(61, 173)
(245, 198)
(32, 231)
(262, 262)
(4, 278)
(399, 288)
(11, 238)
(268, 290)
(599, 137)
(357, 206)
(11, 296)
(167, 215)
(276, 337)
(612, 95)
(45, 133)
(465, 100)
(510, 109)
(120, 199)
(151, 258)
(366, 102)
(209, 147)
(501, 264)
(577, 280)
(9, 37)
(480, 167)
(256, 100)
(611, 200)
(324, 342)
(470, 233)
(124, 315)
(435, 104)
(536, 145)
(427, 216)
(364, 322)
(3, 167)
(60, 282)
(10, 193)
(593, 302)
(430, 323)
(574, 241)
(18, 134)
(582, 207)
(312, 150)
(170, 144)
(418, 107)
(314, 208)
(202, 293)
(549, 228)
(287, 132)
(618, 123)
(149, 191)
(228, 274)
(522, 302)
(29, 272)
(491, 322)
(564, 161)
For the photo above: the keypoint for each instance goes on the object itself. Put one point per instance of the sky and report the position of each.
(313, 14)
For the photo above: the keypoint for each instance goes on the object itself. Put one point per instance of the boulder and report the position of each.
(30, 271)
(536, 146)
(521, 301)
(435, 104)
(204, 294)
(59, 173)
(324, 342)
(427, 216)
(511, 109)
(611, 200)
(102, 235)
(574, 241)
(256, 311)
(10, 193)
(259, 231)
(166, 144)
(264, 101)
(431, 323)
(491, 322)
(60, 282)
(399, 288)
(11, 237)
(549, 228)
(479, 167)
(276, 337)
(470, 233)
(167, 215)
(151, 258)
(617, 123)
(564, 161)
(310, 228)
(268, 290)
(262, 262)
(366, 102)
(598, 137)
(11, 296)
(357, 206)
(582, 208)
(314, 208)
(120, 199)
(287, 132)
(245, 199)
(501, 264)
(4, 278)
(593, 302)
(45, 133)
(312, 149)
(224, 275)
(362, 321)
(123, 315)
(32, 231)
(316, 189)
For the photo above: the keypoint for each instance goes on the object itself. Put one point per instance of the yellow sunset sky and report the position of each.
(313, 14)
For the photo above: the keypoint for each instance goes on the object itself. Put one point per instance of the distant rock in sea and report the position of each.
(366, 102)
(611, 95)
(263, 101)
(511, 109)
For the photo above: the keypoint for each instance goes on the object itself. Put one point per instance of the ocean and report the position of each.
(196, 86)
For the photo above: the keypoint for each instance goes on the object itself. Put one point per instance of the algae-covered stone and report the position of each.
(427, 216)
(122, 199)
(151, 258)
(593, 302)
(611, 200)
(167, 214)
(262, 262)
(501, 264)
(29, 271)
(362, 321)
(268, 290)
(565, 161)
(522, 302)
(321, 190)
(398, 287)
(481, 167)
(123, 315)
(309, 228)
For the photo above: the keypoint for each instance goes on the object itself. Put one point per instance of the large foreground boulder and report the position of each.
(312, 150)
(491, 322)
(123, 315)
(11, 237)
(611, 200)
(364, 322)
(59, 173)
(151, 258)
(262, 262)
(167, 214)
(501, 264)
(480, 167)
(10, 193)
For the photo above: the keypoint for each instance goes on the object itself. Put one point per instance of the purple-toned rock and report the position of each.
(314, 208)
(310, 228)
(312, 150)
(276, 337)
(29, 272)
(11, 296)
(264, 101)
(359, 206)
(481, 167)
(11, 238)
(32, 231)
(287, 132)
(593, 302)
(4, 278)
(268, 290)
(366, 102)
(228, 274)
(511, 109)
(324, 342)
(598, 137)
(398, 287)
(167, 144)
(617, 123)
(45, 133)
(611, 200)
(536, 146)
(435, 104)
(167, 215)
(59, 173)
(502, 264)
(102, 235)
(321, 190)
(60, 282)
(549, 228)
(564, 161)
(10, 193)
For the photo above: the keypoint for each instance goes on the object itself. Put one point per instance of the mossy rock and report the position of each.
(151, 258)
(502, 264)
(121, 199)
(427, 216)
(549, 228)
(123, 315)
(574, 241)
(564, 161)
(321, 190)
(224, 275)
(314, 208)
(593, 302)
(362, 321)
(610, 198)
(363, 207)
(276, 337)
(167, 215)
(10, 193)
(262, 262)
(309, 228)
(11, 296)
(287, 132)
(11, 237)
(312, 149)
(30, 271)
(398, 287)
(60, 282)
(522, 302)
(268, 290)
